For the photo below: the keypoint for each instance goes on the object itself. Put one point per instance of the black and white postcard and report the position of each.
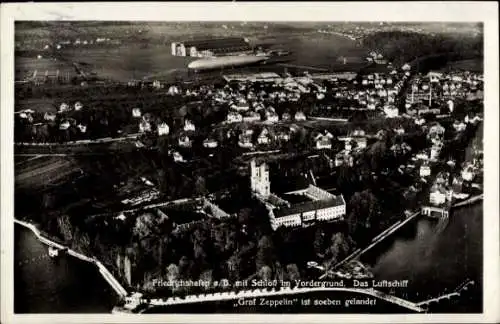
(185, 161)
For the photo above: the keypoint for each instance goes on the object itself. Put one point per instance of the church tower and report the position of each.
(259, 179)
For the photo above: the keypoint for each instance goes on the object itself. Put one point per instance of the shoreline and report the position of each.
(112, 281)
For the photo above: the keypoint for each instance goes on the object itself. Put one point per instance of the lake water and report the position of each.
(433, 259)
(62, 285)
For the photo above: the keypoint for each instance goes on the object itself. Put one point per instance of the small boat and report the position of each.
(53, 252)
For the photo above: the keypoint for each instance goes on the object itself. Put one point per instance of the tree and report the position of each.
(206, 276)
(338, 248)
(185, 267)
(234, 267)
(293, 272)
(172, 272)
(244, 215)
(200, 186)
(265, 273)
(319, 242)
(265, 252)
(364, 209)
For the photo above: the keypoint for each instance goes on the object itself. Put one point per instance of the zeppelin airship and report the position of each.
(226, 61)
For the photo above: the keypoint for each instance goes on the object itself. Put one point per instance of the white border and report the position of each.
(486, 12)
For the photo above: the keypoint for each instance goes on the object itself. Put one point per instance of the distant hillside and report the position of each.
(401, 47)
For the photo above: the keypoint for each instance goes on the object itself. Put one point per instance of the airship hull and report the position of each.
(224, 62)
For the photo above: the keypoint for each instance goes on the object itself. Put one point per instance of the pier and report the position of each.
(190, 299)
(429, 210)
(456, 293)
(102, 269)
(468, 201)
(377, 239)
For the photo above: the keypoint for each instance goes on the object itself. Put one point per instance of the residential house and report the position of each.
(391, 111)
(245, 139)
(459, 126)
(423, 155)
(210, 143)
(251, 117)
(299, 116)
(271, 117)
(435, 151)
(264, 137)
(339, 159)
(184, 141)
(177, 157)
(234, 117)
(399, 130)
(457, 184)
(283, 136)
(144, 126)
(82, 128)
(163, 129)
(468, 173)
(323, 141)
(136, 112)
(64, 125)
(420, 121)
(425, 170)
(63, 107)
(48, 116)
(437, 196)
(241, 105)
(286, 117)
(358, 132)
(189, 126)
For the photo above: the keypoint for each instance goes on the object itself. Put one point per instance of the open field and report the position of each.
(46, 66)
(43, 172)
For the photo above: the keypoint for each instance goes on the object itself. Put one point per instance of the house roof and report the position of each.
(217, 43)
(308, 206)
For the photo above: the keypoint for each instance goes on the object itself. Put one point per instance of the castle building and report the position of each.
(320, 205)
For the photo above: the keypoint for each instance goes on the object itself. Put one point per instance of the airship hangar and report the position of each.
(211, 47)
